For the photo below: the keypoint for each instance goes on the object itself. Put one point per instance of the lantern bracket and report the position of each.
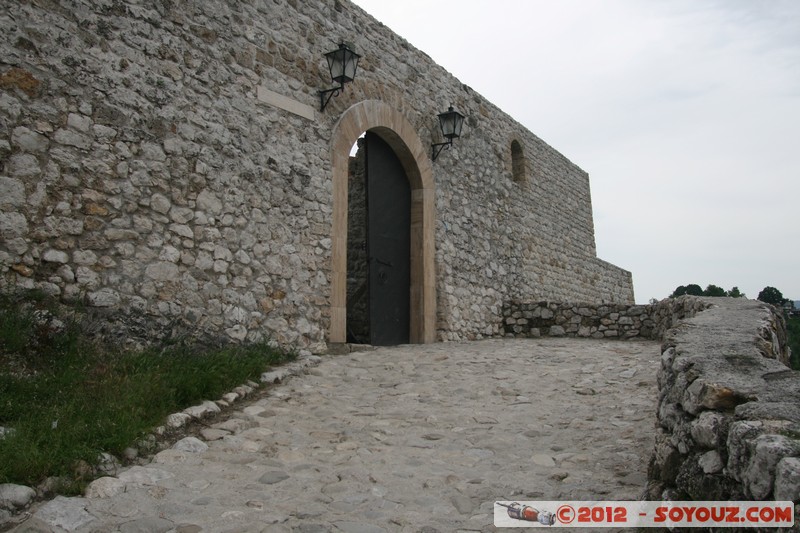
(323, 101)
(438, 147)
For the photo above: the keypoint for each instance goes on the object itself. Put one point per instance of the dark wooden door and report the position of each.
(388, 244)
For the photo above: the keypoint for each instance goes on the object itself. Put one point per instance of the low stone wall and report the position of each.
(728, 408)
(597, 321)
(728, 417)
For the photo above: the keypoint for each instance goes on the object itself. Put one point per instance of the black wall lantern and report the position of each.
(451, 122)
(342, 63)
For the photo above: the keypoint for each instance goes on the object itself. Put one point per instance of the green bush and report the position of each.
(68, 399)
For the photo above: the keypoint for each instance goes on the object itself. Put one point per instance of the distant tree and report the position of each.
(713, 290)
(680, 291)
(735, 293)
(771, 295)
(694, 290)
(691, 289)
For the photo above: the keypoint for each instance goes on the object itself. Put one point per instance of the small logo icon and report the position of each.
(528, 513)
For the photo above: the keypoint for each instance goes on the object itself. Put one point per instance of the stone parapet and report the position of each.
(728, 407)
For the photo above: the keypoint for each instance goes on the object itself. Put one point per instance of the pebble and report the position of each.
(270, 478)
(15, 496)
(105, 487)
(147, 525)
(210, 434)
(66, 513)
(543, 460)
(191, 445)
(400, 438)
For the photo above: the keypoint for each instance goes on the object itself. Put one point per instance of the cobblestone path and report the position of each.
(409, 438)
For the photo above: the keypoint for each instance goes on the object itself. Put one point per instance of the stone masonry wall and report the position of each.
(166, 164)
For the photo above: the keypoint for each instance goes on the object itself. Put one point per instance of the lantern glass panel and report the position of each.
(458, 123)
(451, 123)
(335, 64)
(342, 64)
(350, 65)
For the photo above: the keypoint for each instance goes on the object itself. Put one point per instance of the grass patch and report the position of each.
(793, 331)
(68, 400)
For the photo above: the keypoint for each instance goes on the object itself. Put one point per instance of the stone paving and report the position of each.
(409, 438)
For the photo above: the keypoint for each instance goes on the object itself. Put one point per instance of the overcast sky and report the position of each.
(685, 114)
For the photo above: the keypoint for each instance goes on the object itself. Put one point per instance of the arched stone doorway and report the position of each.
(397, 132)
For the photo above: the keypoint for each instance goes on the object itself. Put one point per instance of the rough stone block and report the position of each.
(202, 410)
(162, 271)
(767, 452)
(709, 429)
(160, 203)
(79, 122)
(119, 234)
(29, 140)
(104, 487)
(55, 256)
(103, 298)
(12, 192)
(72, 138)
(13, 224)
(740, 435)
(707, 393)
(66, 513)
(666, 461)
(787, 479)
(14, 496)
(21, 79)
(711, 462)
(178, 420)
(190, 445)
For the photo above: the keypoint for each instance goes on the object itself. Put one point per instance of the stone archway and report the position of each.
(397, 131)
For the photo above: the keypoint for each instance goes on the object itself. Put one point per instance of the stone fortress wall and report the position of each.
(167, 164)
